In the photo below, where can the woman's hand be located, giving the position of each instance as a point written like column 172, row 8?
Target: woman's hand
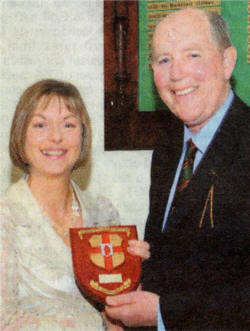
column 140, row 248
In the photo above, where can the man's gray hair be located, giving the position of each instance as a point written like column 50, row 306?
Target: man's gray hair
column 219, row 30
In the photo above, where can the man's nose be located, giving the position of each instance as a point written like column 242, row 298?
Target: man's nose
column 177, row 70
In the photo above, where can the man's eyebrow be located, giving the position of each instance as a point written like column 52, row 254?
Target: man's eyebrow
column 194, row 48
column 156, row 56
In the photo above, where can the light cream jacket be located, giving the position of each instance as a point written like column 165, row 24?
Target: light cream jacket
column 38, row 290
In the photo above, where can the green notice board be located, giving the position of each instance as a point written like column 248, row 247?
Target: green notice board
column 237, row 15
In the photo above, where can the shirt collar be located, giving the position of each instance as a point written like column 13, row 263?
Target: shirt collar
column 203, row 137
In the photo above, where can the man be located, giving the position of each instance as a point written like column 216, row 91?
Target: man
column 198, row 229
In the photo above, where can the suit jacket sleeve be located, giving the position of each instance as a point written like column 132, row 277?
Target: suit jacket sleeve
column 201, row 264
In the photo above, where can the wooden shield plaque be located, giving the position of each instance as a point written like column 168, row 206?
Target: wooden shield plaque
column 101, row 262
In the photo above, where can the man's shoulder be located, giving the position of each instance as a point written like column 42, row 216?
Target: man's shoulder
column 239, row 106
column 171, row 133
column 239, row 101
column 238, row 117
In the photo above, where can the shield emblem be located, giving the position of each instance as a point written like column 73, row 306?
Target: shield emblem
column 106, row 250
column 101, row 263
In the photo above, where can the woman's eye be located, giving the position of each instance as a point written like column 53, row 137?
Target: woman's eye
column 69, row 125
column 38, row 125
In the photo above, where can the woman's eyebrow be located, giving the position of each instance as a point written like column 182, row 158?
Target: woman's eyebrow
column 71, row 115
column 39, row 115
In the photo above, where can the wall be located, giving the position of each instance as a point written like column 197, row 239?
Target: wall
column 64, row 40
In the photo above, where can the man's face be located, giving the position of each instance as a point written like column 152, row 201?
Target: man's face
column 189, row 70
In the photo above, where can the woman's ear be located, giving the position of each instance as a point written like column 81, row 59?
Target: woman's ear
column 229, row 61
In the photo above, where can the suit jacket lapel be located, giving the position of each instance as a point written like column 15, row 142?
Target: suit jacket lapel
column 169, row 155
column 217, row 159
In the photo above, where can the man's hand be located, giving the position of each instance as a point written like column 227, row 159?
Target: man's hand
column 138, row 308
column 111, row 324
column 140, row 248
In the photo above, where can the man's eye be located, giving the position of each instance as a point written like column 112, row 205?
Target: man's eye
column 195, row 55
column 163, row 60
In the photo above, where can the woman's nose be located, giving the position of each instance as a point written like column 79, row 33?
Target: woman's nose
column 55, row 134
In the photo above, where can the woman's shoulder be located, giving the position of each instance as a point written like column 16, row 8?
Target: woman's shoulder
column 16, row 190
column 4, row 208
column 97, row 209
column 16, row 202
column 9, row 197
column 6, row 215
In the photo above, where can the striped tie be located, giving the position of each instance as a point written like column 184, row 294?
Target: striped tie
column 186, row 171
column 187, row 167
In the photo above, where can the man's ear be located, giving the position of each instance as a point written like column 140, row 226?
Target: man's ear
column 229, row 61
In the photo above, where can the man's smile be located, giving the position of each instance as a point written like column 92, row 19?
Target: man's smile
column 185, row 91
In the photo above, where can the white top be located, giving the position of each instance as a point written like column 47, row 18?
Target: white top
column 37, row 281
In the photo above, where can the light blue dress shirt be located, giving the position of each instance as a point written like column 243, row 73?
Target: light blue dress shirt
column 201, row 139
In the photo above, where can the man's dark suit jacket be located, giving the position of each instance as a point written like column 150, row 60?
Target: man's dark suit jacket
column 199, row 266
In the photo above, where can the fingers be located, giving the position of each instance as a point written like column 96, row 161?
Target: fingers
column 119, row 306
column 117, row 313
column 139, row 248
column 139, row 243
column 112, row 325
column 136, row 308
column 139, row 288
column 122, row 299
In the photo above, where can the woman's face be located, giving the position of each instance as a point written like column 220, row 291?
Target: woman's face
column 53, row 139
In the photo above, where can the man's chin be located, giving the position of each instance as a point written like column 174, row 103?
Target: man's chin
column 194, row 125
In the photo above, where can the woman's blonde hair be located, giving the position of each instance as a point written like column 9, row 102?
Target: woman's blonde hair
column 27, row 104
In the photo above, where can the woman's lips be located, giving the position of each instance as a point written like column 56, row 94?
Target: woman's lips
column 54, row 152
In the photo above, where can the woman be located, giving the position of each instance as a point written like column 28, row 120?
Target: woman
column 50, row 136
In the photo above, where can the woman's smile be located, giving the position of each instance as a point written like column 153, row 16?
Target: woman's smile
column 54, row 153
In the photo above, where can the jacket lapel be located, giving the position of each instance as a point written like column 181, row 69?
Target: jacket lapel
column 217, row 159
column 165, row 161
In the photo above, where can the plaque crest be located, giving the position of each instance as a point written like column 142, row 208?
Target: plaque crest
column 101, row 262
column 106, row 250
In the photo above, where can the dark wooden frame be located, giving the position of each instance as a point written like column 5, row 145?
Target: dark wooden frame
column 126, row 128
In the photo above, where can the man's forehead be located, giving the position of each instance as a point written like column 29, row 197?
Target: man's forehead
column 180, row 14
column 170, row 30
column 187, row 18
